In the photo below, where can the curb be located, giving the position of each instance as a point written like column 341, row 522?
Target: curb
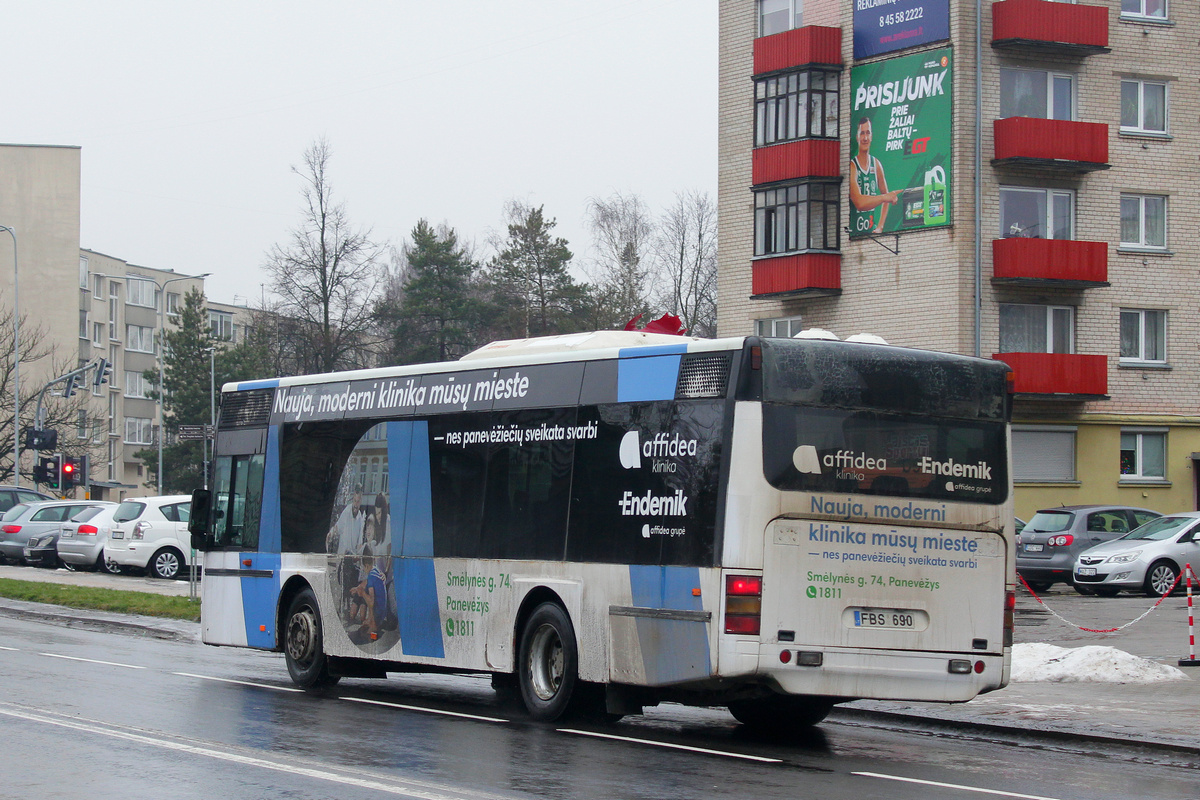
column 172, row 630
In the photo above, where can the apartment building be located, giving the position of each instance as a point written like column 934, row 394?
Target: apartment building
column 1031, row 199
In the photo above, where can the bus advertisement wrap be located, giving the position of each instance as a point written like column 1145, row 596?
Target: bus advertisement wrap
column 884, row 26
column 900, row 134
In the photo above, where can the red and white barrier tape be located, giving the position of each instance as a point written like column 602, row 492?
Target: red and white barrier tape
column 1140, row 617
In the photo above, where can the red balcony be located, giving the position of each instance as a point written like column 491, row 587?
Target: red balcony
column 1051, row 143
column 779, row 162
column 1071, row 376
column 802, row 273
column 1050, row 28
column 812, row 44
column 1050, row 262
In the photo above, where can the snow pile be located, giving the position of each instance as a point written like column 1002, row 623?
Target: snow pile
column 1091, row 664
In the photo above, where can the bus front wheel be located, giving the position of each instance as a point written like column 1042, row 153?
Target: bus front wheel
column 548, row 666
column 303, row 644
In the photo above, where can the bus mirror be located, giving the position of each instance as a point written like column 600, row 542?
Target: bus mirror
column 198, row 521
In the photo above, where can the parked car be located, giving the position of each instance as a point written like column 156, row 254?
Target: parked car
column 1148, row 559
column 1054, row 537
column 82, row 538
column 1018, row 526
column 151, row 533
column 29, row 531
column 11, row 495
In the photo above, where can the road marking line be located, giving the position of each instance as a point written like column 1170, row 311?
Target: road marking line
column 423, row 709
column 250, row 761
column 15, row 649
column 91, row 660
column 954, row 786
column 672, row 746
column 240, row 683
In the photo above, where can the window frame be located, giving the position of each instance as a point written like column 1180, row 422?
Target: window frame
column 218, row 322
column 1065, row 432
column 1140, row 129
column 1141, row 15
column 1141, row 219
column 794, row 10
column 1049, row 329
column 769, row 212
column 1140, row 473
column 136, row 290
column 84, row 274
column 769, row 327
column 1144, row 316
column 142, row 427
column 136, row 344
column 1050, row 77
column 790, row 96
column 1049, row 220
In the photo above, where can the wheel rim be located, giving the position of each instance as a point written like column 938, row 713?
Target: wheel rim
column 166, row 565
column 546, row 663
column 1162, row 578
column 301, row 642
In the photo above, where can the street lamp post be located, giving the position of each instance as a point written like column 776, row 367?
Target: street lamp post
column 16, row 364
column 158, row 356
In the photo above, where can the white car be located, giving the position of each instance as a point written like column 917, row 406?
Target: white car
column 1149, row 558
column 82, row 538
column 151, row 533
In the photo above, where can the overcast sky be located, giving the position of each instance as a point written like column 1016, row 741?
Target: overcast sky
column 191, row 115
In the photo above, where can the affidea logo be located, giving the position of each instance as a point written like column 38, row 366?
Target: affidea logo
column 661, row 445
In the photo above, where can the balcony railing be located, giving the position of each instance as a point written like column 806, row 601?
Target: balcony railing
column 1055, row 144
column 1050, row 262
column 1067, row 376
column 799, row 159
column 797, row 274
column 812, row 44
column 1048, row 27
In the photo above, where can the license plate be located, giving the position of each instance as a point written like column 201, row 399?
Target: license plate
column 1033, row 548
column 117, row 534
column 889, row 618
column 1086, row 571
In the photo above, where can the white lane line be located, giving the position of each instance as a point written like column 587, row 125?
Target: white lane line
column 236, row 758
column 91, row 660
column 422, row 709
column 668, row 745
column 961, row 787
column 239, row 683
column 14, row 649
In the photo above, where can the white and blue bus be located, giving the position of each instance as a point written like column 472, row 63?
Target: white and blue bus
column 617, row 519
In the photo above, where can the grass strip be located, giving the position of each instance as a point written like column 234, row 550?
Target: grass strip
column 115, row 600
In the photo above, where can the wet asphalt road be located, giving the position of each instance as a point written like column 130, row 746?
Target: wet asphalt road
column 174, row 719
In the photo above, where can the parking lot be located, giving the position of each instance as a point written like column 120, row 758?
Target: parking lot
column 128, row 583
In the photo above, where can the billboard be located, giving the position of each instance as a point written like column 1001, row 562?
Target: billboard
column 900, row 136
column 884, row 26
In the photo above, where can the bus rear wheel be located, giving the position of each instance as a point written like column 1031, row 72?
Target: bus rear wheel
column 780, row 714
column 303, row 643
column 548, row 662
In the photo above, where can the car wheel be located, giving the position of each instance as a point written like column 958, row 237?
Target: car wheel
column 1086, row 591
column 1038, row 586
column 548, row 664
column 105, row 563
column 781, row 714
column 303, row 643
column 1160, row 578
column 166, row 564
column 1107, row 591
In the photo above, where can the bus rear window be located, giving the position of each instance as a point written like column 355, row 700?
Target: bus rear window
column 868, row 452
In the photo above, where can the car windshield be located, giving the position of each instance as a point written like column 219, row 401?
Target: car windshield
column 14, row 513
column 1049, row 522
column 128, row 511
column 1159, row 529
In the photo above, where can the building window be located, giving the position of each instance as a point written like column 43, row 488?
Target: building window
column 1144, row 9
column 1143, row 107
column 112, row 415
column 140, row 292
column 1036, row 213
column 1143, row 336
column 136, row 384
column 139, row 338
column 793, row 219
column 83, row 324
column 98, row 287
column 777, row 16
column 83, row 272
column 780, row 327
column 1144, row 454
column 172, row 303
column 138, row 431
column 220, row 324
column 1144, row 221
column 81, row 424
column 1036, row 329
column 1043, row 454
column 1036, row 93
column 97, row 333
column 798, row 105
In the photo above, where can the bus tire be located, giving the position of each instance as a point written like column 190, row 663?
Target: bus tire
column 548, row 662
column 303, row 643
column 780, row 714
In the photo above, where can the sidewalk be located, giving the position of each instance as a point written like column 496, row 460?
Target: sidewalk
column 1164, row 714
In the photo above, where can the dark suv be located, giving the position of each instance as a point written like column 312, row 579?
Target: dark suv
column 11, row 495
column 1053, row 538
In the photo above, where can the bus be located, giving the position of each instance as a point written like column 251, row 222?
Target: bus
column 610, row 520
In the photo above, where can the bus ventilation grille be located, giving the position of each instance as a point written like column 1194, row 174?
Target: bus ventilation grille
column 704, row 375
column 246, row 409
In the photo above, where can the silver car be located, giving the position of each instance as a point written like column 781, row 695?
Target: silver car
column 1054, row 537
column 82, row 538
column 1149, row 559
column 35, row 526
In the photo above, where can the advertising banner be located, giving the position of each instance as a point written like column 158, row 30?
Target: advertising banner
column 884, row 26
column 900, row 136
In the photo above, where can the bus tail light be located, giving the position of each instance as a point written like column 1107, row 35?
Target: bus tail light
column 1010, row 609
column 743, row 604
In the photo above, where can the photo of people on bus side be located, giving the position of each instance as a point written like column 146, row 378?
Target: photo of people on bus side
column 359, row 544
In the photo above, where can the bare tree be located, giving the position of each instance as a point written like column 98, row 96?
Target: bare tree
column 325, row 278
column 686, row 250
column 623, row 232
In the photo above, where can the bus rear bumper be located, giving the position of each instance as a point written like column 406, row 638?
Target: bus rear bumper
column 933, row 677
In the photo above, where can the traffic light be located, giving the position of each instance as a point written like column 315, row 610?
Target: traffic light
column 41, row 439
column 72, row 472
column 69, row 386
column 103, row 372
column 48, row 470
